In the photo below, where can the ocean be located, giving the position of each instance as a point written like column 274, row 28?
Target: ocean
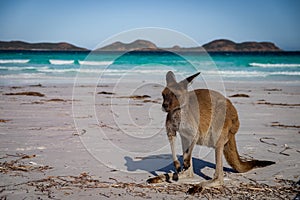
column 46, row 67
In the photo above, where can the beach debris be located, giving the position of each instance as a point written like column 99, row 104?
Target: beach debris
column 35, row 102
column 276, row 104
column 151, row 101
column 33, row 163
column 267, row 138
column 19, row 165
column 102, row 125
column 56, row 100
column 4, row 120
column 37, row 85
column 286, row 147
column 136, row 97
column 240, row 95
column 15, row 87
column 249, row 191
column 273, row 90
column 102, row 85
column 277, row 124
column 82, row 132
column 284, row 189
column 27, row 94
column 106, row 93
column 105, row 126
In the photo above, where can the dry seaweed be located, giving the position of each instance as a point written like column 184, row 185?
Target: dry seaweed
column 35, row 102
column 250, row 191
column 277, row 104
column 267, row 138
column 56, row 100
column 106, row 93
column 151, row 101
column 37, row 94
column 136, row 97
column 284, row 189
column 240, row 95
column 273, row 90
column 15, row 87
column 19, row 165
column 277, row 124
column 286, row 147
column 37, row 85
column 4, row 120
column 102, row 85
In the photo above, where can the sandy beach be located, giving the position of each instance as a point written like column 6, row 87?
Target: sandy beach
column 100, row 142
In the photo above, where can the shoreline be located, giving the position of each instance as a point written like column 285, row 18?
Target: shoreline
column 86, row 80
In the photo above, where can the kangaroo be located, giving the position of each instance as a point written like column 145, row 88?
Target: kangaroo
column 202, row 117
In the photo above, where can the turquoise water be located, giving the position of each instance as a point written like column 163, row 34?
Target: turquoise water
column 47, row 67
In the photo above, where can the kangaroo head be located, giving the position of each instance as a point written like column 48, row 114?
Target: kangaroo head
column 175, row 94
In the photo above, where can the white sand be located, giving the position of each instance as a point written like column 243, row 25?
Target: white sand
column 122, row 139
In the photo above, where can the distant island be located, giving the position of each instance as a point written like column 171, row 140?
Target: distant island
column 19, row 45
column 221, row 45
column 142, row 45
column 214, row 46
column 230, row 46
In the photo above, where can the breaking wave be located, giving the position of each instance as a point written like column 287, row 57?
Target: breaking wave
column 61, row 62
column 104, row 71
column 269, row 65
column 94, row 63
column 17, row 68
column 240, row 74
column 6, row 61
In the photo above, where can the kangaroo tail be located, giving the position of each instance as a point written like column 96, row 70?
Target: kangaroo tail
column 163, row 178
column 234, row 160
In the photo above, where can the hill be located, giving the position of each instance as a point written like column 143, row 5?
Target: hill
column 19, row 45
column 230, row 46
column 138, row 45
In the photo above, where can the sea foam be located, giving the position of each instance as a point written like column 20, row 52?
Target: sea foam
column 95, row 63
column 5, row 61
column 18, row 68
column 247, row 74
column 225, row 73
column 269, row 65
column 49, row 70
column 61, row 62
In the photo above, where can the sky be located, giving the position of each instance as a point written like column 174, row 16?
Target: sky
column 87, row 23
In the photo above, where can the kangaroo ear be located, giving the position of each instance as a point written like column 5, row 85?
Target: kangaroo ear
column 170, row 78
column 188, row 80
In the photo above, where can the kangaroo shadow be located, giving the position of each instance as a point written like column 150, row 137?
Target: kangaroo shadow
column 164, row 163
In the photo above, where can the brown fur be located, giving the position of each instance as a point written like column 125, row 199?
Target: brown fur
column 203, row 117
